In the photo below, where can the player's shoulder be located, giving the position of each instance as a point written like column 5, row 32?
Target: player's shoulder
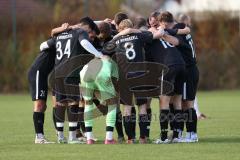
column 79, row 31
column 51, row 40
column 146, row 33
column 179, row 26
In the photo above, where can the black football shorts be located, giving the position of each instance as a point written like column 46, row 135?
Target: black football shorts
column 38, row 82
column 190, row 84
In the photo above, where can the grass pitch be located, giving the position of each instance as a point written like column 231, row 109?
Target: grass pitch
column 219, row 135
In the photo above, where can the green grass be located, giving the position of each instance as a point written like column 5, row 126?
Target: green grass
column 219, row 135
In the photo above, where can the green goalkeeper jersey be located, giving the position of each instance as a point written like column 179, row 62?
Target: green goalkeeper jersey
column 97, row 76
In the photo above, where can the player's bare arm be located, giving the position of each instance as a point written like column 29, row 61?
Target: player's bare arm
column 185, row 30
column 127, row 31
column 57, row 30
column 171, row 39
column 157, row 33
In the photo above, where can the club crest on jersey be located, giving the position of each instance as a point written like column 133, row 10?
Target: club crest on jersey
column 42, row 93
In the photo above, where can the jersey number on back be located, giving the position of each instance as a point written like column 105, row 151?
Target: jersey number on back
column 67, row 49
column 130, row 52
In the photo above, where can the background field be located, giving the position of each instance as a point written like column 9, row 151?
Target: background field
column 219, row 135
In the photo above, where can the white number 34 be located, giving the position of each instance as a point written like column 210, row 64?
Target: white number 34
column 67, row 49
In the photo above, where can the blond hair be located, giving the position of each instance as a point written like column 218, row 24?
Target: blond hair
column 126, row 23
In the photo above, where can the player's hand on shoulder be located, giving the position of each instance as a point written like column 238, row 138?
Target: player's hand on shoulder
column 161, row 31
column 108, row 20
column 153, row 30
column 65, row 25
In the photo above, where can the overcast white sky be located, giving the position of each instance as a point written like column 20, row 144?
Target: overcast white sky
column 201, row 5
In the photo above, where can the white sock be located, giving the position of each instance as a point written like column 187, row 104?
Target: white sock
column 89, row 135
column 72, row 135
column 196, row 107
column 39, row 135
column 60, row 135
column 109, row 135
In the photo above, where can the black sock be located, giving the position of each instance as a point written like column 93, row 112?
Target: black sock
column 78, row 131
column 176, row 122
column 38, row 120
column 128, row 126
column 78, row 122
column 102, row 108
column 60, row 116
column 88, row 129
column 164, row 119
column 109, row 128
column 191, row 121
column 118, row 124
column 195, row 120
column 182, row 122
column 171, row 109
column 143, row 123
column 73, row 116
column 96, row 102
column 149, row 117
column 78, row 126
column 81, row 124
column 54, row 117
column 193, row 124
column 133, row 121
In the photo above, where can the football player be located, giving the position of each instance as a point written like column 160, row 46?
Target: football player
column 70, row 45
column 38, row 81
column 186, row 47
column 98, row 78
column 163, row 51
column 186, row 19
column 133, row 44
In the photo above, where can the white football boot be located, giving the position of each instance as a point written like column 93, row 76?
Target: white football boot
column 191, row 137
column 42, row 140
column 159, row 141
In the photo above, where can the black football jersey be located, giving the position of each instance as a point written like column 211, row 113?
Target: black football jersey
column 163, row 52
column 133, row 45
column 68, row 45
column 186, row 46
column 45, row 60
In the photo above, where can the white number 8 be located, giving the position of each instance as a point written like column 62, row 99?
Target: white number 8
column 129, row 48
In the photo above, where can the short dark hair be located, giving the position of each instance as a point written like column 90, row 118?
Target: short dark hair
column 88, row 21
column 140, row 22
column 119, row 17
column 154, row 14
column 166, row 17
column 105, row 28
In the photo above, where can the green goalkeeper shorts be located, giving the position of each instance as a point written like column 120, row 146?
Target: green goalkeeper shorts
column 96, row 76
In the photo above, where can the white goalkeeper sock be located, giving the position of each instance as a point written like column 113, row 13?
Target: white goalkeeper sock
column 109, row 135
column 89, row 135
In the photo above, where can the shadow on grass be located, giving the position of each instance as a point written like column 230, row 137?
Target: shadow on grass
column 220, row 140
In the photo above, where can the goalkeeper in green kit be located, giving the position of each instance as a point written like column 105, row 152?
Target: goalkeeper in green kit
column 98, row 79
